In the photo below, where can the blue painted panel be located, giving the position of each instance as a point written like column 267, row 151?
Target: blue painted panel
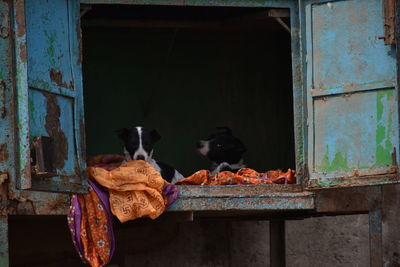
column 48, row 45
column 346, row 48
column 357, row 132
column 49, row 90
column 350, row 76
column 59, row 126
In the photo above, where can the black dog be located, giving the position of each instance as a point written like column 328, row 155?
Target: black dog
column 224, row 150
column 138, row 145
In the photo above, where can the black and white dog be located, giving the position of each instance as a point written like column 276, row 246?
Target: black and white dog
column 224, row 150
column 138, row 145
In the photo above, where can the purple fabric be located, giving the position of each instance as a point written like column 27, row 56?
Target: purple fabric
column 74, row 224
column 104, row 198
column 170, row 193
column 75, row 216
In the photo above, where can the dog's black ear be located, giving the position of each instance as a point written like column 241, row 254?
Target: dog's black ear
column 123, row 134
column 155, row 135
column 224, row 130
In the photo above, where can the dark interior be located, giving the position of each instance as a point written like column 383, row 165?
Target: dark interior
column 185, row 71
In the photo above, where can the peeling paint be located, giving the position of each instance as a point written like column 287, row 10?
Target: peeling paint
column 343, row 182
column 339, row 162
column 56, row 76
column 22, row 52
column 241, row 197
column 3, row 178
column 384, row 145
column 3, row 109
column 4, row 25
column 53, row 128
column 3, row 152
column 389, row 8
column 20, row 18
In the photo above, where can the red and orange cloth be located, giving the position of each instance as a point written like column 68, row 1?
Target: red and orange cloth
column 243, row 176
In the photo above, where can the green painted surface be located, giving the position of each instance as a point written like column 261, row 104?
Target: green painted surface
column 339, row 162
column 384, row 144
column 185, row 86
column 51, row 37
column 328, row 183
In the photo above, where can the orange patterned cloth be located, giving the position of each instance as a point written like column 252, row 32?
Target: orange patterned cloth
column 135, row 189
column 94, row 230
column 243, row 176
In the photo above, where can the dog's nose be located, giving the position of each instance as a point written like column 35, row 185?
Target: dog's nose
column 139, row 157
column 199, row 144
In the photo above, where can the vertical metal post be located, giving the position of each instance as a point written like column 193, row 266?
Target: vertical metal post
column 375, row 238
column 4, row 241
column 277, row 243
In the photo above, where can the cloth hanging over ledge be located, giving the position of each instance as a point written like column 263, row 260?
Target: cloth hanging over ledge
column 135, row 187
column 90, row 225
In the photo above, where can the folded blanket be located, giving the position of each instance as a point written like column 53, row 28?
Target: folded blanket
column 243, row 176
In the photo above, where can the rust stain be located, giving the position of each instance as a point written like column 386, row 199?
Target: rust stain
column 22, row 52
column 20, row 18
column 357, row 181
column 56, row 76
column 3, row 110
column 389, row 9
column 394, row 157
column 3, row 177
column 53, row 128
column 4, row 26
column 43, row 204
column 3, row 152
column 54, row 204
column 27, row 173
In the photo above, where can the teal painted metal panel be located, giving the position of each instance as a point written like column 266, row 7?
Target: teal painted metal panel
column 49, row 86
column 236, row 198
column 346, row 50
column 350, row 78
column 6, row 125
